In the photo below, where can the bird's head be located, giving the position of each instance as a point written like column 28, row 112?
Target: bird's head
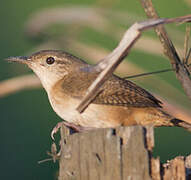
column 50, row 65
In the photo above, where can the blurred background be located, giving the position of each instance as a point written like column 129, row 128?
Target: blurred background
column 89, row 29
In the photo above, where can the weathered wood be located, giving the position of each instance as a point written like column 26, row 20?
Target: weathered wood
column 188, row 167
column 105, row 154
column 175, row 169
column 135, row 159
column 155, row 169
column 124, row 153
column 149, row 134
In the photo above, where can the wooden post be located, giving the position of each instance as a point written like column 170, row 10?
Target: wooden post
column 123, row 153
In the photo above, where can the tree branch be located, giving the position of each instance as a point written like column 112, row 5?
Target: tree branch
column 107, row 66
column 181, row 71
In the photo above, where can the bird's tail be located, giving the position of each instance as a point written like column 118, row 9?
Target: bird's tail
column 168, row 120
column 181, row 123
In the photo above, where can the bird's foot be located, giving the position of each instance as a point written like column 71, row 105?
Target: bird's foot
column 75, row 127
column 55, row 129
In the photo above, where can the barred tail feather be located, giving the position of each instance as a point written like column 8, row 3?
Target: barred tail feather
column 181, row 123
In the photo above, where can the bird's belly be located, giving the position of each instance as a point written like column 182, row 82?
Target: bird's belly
column 105, row 116
column 95, row 115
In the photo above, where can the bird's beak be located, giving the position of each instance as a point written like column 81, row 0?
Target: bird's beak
column 19, row 59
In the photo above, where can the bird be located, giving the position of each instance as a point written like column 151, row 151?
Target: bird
column 119, row 102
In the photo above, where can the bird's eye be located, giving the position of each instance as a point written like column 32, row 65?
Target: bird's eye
column 50, row 60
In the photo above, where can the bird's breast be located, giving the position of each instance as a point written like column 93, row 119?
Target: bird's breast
column 94, row 116
column 104, row 116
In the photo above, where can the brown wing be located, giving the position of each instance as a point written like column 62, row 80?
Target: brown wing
column 120, row 92
column 115, row 91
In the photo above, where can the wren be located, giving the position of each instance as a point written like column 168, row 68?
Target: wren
column 119, row 102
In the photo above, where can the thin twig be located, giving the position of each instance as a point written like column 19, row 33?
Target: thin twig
column 45, row 160
column 188, row 57
column 107, row 66
column 182, row 73
column 54, row 154
column 149, row 73
column 186, row 44
column 187, row 50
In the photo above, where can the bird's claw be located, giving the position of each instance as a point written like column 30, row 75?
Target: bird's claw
column 75, row 127
column 55, row 130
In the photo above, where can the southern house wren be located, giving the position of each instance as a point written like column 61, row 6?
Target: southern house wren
column 119, row 102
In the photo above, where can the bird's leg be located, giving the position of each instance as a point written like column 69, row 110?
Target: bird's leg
column 55, row 129
column 75, row 127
